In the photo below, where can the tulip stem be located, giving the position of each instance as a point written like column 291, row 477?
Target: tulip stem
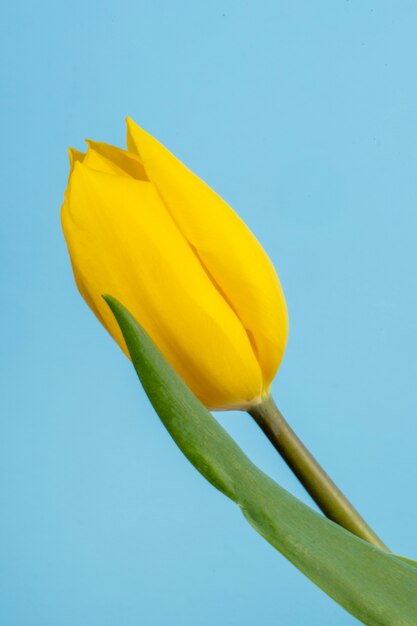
column 312, row 476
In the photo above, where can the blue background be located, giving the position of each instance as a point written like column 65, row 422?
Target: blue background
column 303, row 116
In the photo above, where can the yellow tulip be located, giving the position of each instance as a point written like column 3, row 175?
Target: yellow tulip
column 143, row 228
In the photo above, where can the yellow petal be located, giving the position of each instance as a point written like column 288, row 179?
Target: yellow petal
column 123, row 241
column 106, row 158
column 235, row 261
column 74, row 156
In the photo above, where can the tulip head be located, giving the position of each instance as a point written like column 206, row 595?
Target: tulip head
column 141, row 227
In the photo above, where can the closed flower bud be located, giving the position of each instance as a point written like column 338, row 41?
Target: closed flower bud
column 141, row 227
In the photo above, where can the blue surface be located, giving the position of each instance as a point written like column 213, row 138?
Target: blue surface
column 303, row 116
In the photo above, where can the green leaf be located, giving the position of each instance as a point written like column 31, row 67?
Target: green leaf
column 377, row 588
column 412, row 562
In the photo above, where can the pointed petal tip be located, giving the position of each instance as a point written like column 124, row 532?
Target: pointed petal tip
column 133, row 127
column 132, row 130
column 75, row 155
column 72, row 153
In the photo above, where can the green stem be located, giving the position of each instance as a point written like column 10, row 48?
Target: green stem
column 311, row 475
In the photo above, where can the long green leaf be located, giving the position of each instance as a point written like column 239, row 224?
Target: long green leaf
column 377, row 588
column 406, row 559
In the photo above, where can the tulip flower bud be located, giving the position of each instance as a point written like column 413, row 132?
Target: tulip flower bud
column 141, row 227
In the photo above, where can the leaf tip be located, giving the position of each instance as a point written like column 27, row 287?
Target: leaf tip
column 110, row 300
